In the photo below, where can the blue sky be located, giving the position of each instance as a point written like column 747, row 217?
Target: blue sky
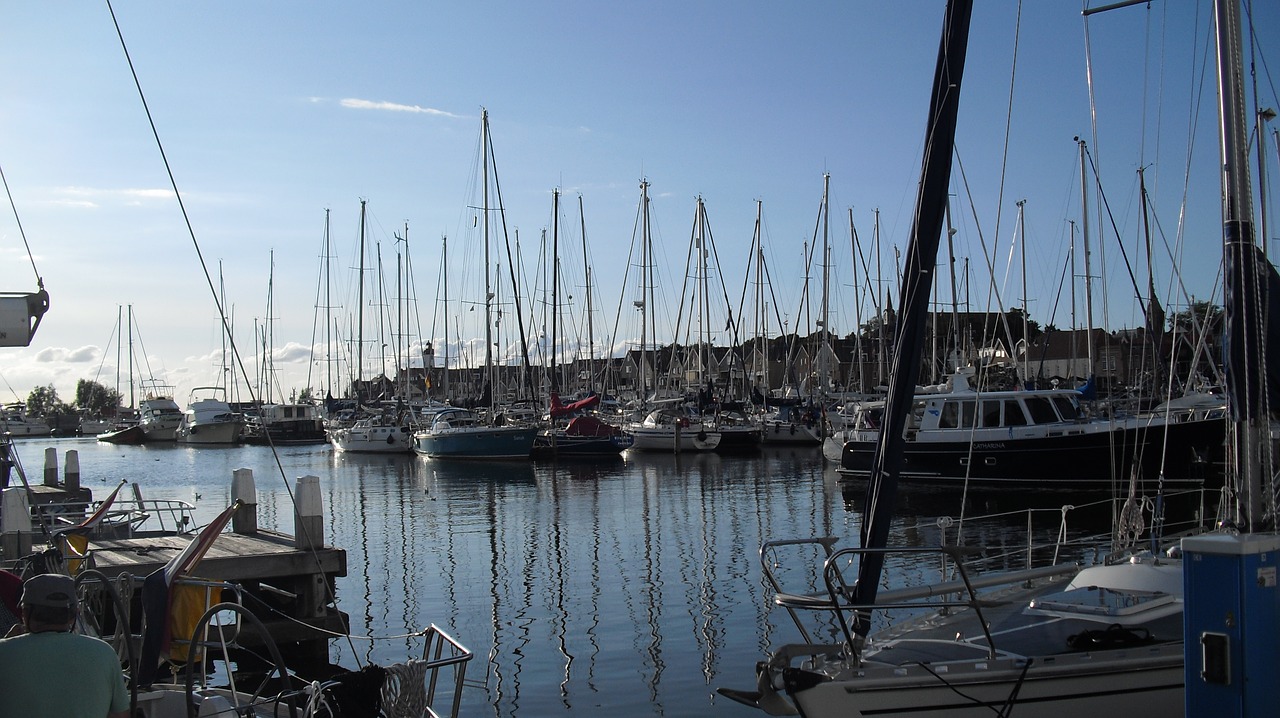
column 271, row 113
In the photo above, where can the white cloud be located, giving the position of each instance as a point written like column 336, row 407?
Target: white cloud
column 357, row 104
column 50, row 355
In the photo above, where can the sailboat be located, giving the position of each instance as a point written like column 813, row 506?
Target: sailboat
column 1105, row 640
column 575, row 428
column 380, row 431
column 460, row 433
column 798, row 419
column 661, row 424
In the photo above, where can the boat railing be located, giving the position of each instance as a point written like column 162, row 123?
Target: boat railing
column 127, row 517
column 962, row 566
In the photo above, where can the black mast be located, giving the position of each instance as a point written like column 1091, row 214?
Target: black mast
column 913, row 304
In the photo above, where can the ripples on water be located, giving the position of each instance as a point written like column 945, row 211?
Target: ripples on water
column 631, row 587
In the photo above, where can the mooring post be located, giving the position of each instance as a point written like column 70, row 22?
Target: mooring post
column 71, row 475
column 15, row 516
column 308, row 518
column 51, row 466
column 245, row 490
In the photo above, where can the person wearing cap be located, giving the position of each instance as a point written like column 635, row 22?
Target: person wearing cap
column 50, row 671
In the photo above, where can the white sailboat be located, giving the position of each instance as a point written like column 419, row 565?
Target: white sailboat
column 1106, row 640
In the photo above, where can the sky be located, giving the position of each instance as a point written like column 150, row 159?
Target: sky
column 274, row 116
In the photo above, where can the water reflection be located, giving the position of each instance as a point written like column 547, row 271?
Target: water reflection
column 630, row 587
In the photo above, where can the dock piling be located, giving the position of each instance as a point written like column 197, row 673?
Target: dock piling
column 15, row 518
column 51, row 466
column 71, row 475
column 244, row 489
column 308, row 517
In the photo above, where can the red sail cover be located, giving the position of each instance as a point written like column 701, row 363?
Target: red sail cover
column 558, row 409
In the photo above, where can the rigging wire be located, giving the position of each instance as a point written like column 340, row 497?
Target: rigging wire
column 21, row 231
column 209, row 280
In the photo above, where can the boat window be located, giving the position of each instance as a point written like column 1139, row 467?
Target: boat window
column 1041, row 410
column 1067, row 408
column 990, row 413
column 1013, row 415
column 957, row 414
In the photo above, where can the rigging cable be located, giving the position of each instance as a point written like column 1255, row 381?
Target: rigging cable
column 221, row 314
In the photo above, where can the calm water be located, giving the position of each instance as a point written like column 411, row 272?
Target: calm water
column 631, row 587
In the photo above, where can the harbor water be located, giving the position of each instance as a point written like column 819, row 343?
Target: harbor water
column 627, row 587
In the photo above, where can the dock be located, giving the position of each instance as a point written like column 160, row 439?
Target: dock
column 287, row 581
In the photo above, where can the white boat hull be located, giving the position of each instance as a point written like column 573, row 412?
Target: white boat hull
column 667, row 439
column 1123, row 683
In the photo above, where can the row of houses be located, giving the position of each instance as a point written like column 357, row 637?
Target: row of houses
column 802, row 365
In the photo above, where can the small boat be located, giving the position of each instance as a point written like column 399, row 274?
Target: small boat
column 15, row 422
column 792, row 425
column 209, row 420
column 285, row 425
column 585, row 434
column 381, row 433
column 463, row 434
column 124, row 435
column 158, row 414
column 672, row 429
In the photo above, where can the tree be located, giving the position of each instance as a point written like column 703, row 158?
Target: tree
column 43, row 400
column 95, row 398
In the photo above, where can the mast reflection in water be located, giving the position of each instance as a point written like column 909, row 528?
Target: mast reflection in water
column 626, row 588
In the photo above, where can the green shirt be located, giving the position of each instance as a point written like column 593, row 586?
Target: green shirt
column 60, row 675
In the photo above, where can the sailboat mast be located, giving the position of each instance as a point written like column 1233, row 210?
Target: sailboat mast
column 359, row 373
column 1088, row 272
column 1245, row 323
column 645, row 282
column 555, row 281
column 824, row 367
column 913, row 305
column 444, row 271
column 1026, row 337
column 328, row 305
column 591, row 340
column 484, row 211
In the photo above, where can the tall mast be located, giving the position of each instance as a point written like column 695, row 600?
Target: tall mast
column 857, row 303
column 1245, row 270
column 931, row 200
column 555, row 280
column 591, row 341
column 1026, row 337
column 360, row 305
column 646, row 279
column 488, row 293
column 1088, row 272
column 824, row 367
column 444, row 271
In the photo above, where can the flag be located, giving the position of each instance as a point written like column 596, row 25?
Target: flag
column 157, row 597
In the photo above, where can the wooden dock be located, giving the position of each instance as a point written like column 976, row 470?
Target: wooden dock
column 287, row 582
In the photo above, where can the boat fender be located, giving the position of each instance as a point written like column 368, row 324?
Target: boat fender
column 391, row 439
column 702, row 436
column 192, row 430
column 684, row 422
column 793, row 429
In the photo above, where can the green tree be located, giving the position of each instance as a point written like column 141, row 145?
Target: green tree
column 42, row 401
column 95, row 398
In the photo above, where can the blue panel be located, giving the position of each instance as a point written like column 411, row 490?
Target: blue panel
column 1231, row 625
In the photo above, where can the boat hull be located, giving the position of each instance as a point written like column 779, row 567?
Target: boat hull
column 372, row 440
column 129, row 435
column 220, row 433
column 1091, row 459
column 1068, row 686
column 671, row 440
column 489, row 442
column 569, row 445
column 790, row 434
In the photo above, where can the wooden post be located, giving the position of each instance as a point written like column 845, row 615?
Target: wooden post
column 51, row 466
column 308, row 518
column 15, row 516
column 72, row 473
column 243, row 488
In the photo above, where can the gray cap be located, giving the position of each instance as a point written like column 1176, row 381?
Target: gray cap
column 49, row 589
